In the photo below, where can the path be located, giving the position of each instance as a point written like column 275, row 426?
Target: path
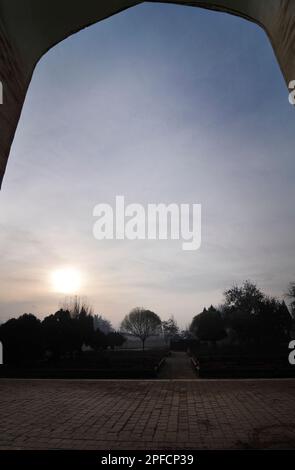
column 151, row 414
column 177, row 366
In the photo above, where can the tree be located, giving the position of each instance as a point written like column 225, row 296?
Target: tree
column 66, row 331
column 22, row 340
column 170, row 329
column 102, row 324
column 209, row 326
column 246, row 298
column 82, row 314
column 255, row 317
column 115, row 339
column 241, row 309
column 77, row 305
column 141, row 323
column 61, row 334
column 186, row 334
column 98, row 340
column 275, row 322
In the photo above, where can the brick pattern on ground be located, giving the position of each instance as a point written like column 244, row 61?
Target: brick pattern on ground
column 158, row 414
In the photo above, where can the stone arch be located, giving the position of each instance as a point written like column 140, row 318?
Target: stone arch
column 29, row 29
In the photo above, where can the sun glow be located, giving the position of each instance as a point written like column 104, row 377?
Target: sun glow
column 66, row 281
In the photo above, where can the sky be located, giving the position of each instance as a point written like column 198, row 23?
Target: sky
column 161, row 104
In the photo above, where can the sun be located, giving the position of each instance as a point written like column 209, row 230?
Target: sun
column 66, row 280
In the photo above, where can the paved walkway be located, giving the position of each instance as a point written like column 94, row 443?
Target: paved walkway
column 177, row 366
column 159, row 414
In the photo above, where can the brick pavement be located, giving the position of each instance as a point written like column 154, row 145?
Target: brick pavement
column 166, row 414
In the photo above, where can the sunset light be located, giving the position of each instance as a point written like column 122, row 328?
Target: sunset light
column 66, row 280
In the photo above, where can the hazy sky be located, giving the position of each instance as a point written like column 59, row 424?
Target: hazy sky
column 159, row 103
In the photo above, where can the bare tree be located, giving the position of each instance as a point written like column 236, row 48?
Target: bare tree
column 141, row 323
column 76, row 306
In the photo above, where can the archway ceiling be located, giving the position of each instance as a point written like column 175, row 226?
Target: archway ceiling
column 28, row 29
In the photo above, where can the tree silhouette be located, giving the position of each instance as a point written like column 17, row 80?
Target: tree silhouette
column 141, row 323
column 22, row 340
column 102, row 324
column 61, row 333
column 114, row 339
column 255, row 317
column 77, row 305
column 208, row 326
column 246, row 298
column 170, row 329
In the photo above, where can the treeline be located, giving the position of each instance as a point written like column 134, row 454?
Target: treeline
column 27, row 339
column 246, row 317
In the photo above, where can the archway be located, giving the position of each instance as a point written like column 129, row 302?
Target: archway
column 29, row 29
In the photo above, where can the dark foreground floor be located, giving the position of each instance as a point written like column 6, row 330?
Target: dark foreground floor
column 200, row 414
